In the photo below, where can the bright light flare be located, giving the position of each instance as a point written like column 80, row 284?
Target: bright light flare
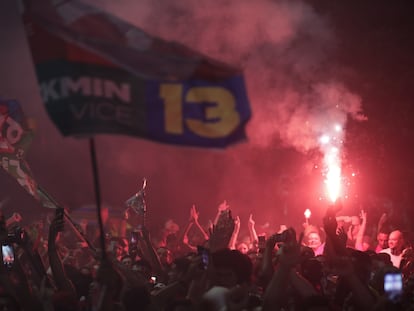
column 333, row 180
column 325, row 139
column 307, row 213
column 332, row 168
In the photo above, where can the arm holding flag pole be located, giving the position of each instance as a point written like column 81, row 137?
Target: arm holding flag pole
column 72, row 224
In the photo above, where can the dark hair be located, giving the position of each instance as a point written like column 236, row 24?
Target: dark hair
column 384, row 230
column 182, row 263
column 135, row 298
column 144, row 263
column 232, row 259
column 362, row 264
column 10, row 300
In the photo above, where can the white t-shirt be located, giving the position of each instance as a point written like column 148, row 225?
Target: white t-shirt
column 395, row 259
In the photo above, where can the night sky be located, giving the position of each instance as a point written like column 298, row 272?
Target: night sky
column 362, row 48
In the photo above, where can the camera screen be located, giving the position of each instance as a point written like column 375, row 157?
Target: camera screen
column 393, row 282
column 8, row 254
column 204, row 258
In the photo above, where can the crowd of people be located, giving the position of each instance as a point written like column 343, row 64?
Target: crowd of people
column 343, row 264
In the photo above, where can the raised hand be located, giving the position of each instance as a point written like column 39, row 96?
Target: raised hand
column 290, row 255
column 237, row 222
column 223, row 206
column 194, row 214
column 251, row 222
column 221, row 234
column 363, row 215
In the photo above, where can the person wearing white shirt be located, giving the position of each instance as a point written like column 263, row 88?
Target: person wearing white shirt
column 396, row 247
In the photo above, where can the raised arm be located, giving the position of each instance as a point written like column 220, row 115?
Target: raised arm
column 276, row 291
column 194, row 216
column 221, row 208
column 235, row 235
column 252, row 230
column 222, row 232
column 360, row 235
column 266, row 271
column 150, row 253
column 59, row 275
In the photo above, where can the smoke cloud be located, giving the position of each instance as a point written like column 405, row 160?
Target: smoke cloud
column 283, row 47
column 286, row 51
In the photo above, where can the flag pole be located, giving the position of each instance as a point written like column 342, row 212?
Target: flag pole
column 75, row 227
column 97, row 194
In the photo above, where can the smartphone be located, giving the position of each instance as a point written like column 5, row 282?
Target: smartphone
column 393, row 285
column 153, row 279
column 261, row 241
column 134, row 237
column 203, row 252
column 7, row 255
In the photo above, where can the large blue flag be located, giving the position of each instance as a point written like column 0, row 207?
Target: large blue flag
column 99, row 74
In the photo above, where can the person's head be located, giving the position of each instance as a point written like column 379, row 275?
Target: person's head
column 118, row 250
column 165, row 255
column 178, row 268
column 396, row 241
column 362, row 264
column 382, row 239
column 380, row 260
column 314, row 240
column 135, row 297
column 143, row 267
column 311, row 269
column 242, row 248
column 231, row 268
column 171, row 227
column 127, row 261
column 172, row 241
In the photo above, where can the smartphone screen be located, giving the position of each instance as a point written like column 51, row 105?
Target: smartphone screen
column 134, row 237
column 393, row 284
column 203, row 252
column 8, row 255
column 204, row 258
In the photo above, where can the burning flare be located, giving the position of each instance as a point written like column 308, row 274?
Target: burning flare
column 330, row 145
column 333, row 176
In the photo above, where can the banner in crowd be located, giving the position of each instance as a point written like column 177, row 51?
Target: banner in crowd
column 99, row 74
column 16, row 134
column 15, row 138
